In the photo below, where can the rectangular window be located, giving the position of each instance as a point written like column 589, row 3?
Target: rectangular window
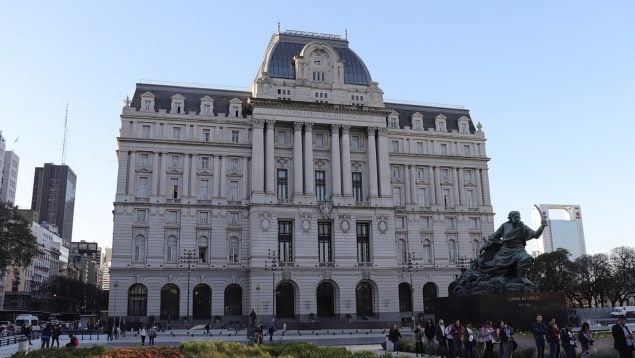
column 420, row 148
column 176, row 133
column 233, row 190
column 324, row 242
column 203, row 217
column 203, row 189
column 234, row 165
column 176, row 161
column 320, row 185
column 466, row 150
column 141, row 215
column 475, row 223
column 357, row 186
column 426, row 222
column 235, row 136
column 285, row 241
column 401, row 222
column 142, row 187
column 234, row 218
column 363, row 243
column 419, row 125
column 234, row 252
column 145, row 131
column 174, row 187
column 471, row 198
column 145, row 160
column 393, row 123
column 469, row 175
column 423, row 197
column 396, row 171
column 394, row 146
column 206, row 135
column 451, row 223
column 447, row 199
column 421, row 173
column 282, row 137
column 147, row 105
column 204, row 162
column 355, row 144
column 319, row 140
column 173, row 216
column 396, row 194
column 207, row 109
column 444, row 149
column 282, row 191
column 171, row 249
column 445, row 174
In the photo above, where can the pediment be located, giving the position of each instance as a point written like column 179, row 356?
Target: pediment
column 235, row 101
column 147, row 95
column 417, row 115
column 178, row 96
column 207, row 99
column 440, row 116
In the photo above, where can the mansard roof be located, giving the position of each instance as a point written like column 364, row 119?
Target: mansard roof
column 429, row 114
column 286, row 45
column 193, row 95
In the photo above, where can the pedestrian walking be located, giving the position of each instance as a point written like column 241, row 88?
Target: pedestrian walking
column 553, row 338
column 457, row 337
column 45, row 336
column 270, row 330
column 418, row 340
column 55, row 335
column 468, row 340
column 622, row 338
column 506, row 339
column 567, row 338
column 539, row 329
column 143, row 333
column 207, row 329
column 442, row 339
column 450, row 340
column 430, row 332
column 586, row 340
column 487, row 339
column 27, row 331
column 152, row 334
column 393, row 336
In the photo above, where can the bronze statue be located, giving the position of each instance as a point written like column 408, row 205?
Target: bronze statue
column 503, row 262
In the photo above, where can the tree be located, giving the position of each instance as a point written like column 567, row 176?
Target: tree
column 71, row 295
column 17, row 243
column 553, row 272
column 621, row 287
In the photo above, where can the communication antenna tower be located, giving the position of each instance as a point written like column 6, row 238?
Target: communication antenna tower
column 65, row 130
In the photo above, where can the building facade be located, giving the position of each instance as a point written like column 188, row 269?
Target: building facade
column 86, row 258
column 54, row 197
column 307, row 197
column 9, row 180
column 563, row 231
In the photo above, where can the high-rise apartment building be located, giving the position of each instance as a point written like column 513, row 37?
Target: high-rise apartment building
column 307, row 197
column 564, row 229
column 54, row 197
column 9, row 180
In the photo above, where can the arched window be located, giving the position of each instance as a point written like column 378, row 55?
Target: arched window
column 171, row 249
column 233, row 300
column 137, row 300
column 202, row 249
column 405, row 297
column 139, row 253
column 429, row 297
column 169, row 302
column 402, row 258
column 364, row 298
column 427, row 251
column 452, row 250
column 234, row 250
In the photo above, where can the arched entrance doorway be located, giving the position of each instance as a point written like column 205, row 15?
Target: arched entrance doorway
column 364, row 299
column 405, row 297
column 233, row 300
column 169, row 302
column 325, row 300
column 285, row 300
column 429, row 297
column 202, row 302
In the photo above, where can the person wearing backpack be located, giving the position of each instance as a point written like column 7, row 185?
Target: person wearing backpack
column 152, row 334
column 568, row 340
column 393, row 336
column 418, row 340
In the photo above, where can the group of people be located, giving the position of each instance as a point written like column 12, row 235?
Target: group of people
column 565, row 338
column 459, row 340
column 51, row 333
column 150, row 332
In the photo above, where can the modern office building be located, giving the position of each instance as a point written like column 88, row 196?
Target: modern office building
column 9, row 179
column 103, row 280
column 54, row 197
column 565, row 229
column 86, row 258
column 306, row 197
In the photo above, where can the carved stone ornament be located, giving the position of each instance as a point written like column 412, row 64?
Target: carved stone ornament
column 382, row 224
column 305, row 222
column 345, row 223
column 325, row 208
column 258, row 123
column 265, row 221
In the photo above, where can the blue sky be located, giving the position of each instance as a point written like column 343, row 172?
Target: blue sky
column 553, row 84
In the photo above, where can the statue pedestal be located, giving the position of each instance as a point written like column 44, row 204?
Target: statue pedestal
column 519, row 309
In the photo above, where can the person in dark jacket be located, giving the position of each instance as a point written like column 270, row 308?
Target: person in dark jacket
column 393, row 336
column 567, row 337
column 45, row 336
column 418, row 340
column 539, row 329
column 430, row 332
column 56, row 332
column 622, row 338
column 553, row 337
column 442, row 339
column 586, row 339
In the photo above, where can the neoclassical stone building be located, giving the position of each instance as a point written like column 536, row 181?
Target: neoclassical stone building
column 361, row 207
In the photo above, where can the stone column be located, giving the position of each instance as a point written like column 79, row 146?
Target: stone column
column 308, row 159
column 162, row 176
column 216, row 177
column 437, row 180
column 257, row 153
column 270, row 160
column 335, row 160
column 413, row 184
column 346, row 161
column 384, row 165
column 223, row 176
column 186, row 175
column 462, row 200
column 372, row 162
column 155, row 174
column 297, row 158
column 408, row 189
column 193, row 176
column 132, row 189
column 455, row 184
column 433, row 189
column 244, row 163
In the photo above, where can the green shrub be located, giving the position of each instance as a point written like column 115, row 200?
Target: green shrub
column 214, row 349
column 94, row 351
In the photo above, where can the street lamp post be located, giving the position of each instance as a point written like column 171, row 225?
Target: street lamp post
column 272, row 264
column 257, row 301
column 409, row 266
column 114, row 310
column 189, row 257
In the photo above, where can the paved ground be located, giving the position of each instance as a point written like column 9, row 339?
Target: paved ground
column 352, row 340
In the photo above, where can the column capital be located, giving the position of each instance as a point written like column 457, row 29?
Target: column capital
column 257, row 123
column 335, row 127
column 308, row 127
column 346, row 129
column 382, row 131
column 297, row 126
column 371, row 131
column 270, row 122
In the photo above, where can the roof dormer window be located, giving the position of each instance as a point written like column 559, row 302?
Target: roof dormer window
column 207, row 106
column 147, row 102
column 464, row 125
column 440, row 123
column 417, row 121
column 235, row 108
column 178, row 104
